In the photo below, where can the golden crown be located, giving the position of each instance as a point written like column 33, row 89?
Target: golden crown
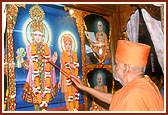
column 37, row 15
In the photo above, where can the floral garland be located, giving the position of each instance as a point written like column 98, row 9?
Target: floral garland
column 36, row 76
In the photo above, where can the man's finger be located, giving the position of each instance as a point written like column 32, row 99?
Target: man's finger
column 74, row 78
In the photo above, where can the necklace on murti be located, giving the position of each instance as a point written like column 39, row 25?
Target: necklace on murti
column 41, row 71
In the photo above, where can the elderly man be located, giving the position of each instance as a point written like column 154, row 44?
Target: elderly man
column 96, row 104
column 138, row 93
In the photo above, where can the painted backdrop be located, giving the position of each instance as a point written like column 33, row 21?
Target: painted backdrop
column 58, row 22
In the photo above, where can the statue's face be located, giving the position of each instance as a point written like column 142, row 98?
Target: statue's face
column 68, row 46
column 38, row 37
column 99, row 79
column 100, row 26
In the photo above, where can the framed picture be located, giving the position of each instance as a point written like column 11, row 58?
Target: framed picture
column 101, row 80
column 100, row 77
column 55, row 23
column 31, row 64
column 97, row 42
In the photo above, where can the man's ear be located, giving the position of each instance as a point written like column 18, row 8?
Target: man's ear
column 126, row 68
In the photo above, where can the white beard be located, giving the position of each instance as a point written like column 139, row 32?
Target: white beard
column 99, row 83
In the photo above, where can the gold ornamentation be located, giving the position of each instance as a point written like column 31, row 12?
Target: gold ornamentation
column 36, row 13
column 11, row 18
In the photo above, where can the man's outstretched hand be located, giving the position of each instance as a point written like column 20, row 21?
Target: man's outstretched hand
column 77, row 82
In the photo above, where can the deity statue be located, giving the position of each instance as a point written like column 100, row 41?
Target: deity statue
column 40, row 87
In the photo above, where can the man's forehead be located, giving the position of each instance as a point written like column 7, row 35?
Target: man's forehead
column 99, row 75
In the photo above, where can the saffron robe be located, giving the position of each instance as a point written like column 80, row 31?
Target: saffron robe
column 64, row 58
column 70, row 92
column 100, row 106
column 138, row 95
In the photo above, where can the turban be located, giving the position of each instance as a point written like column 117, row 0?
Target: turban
column 132, row 53
column 67, row 38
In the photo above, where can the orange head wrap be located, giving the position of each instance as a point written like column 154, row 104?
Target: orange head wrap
column 67, row 38
column 132, row 53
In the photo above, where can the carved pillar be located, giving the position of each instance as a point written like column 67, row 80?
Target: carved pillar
column 11, row 16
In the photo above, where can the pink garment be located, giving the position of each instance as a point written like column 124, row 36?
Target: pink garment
column 29, row 94
column 30, row 72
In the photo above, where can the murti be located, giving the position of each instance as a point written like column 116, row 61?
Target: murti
column 41, row 67
column 73, row 94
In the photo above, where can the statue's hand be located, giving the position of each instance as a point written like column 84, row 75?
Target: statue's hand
column 59, row 84
column 54, row 57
